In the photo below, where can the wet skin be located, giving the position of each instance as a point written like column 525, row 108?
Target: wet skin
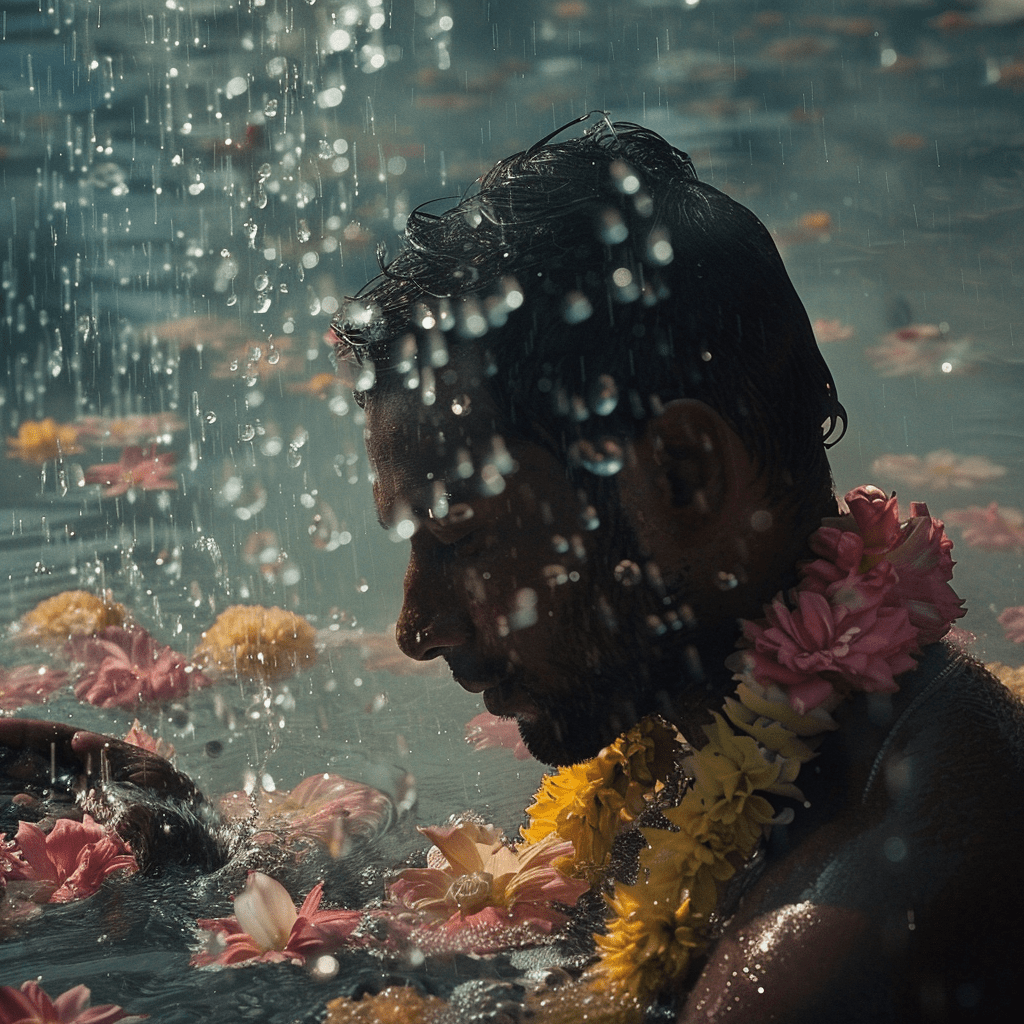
column 897, row 895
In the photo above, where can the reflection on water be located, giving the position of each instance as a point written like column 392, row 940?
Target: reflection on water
column 195, row 188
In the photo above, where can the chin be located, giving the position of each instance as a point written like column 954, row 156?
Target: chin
column 553, row 741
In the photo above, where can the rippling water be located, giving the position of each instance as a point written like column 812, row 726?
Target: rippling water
column 194, row 188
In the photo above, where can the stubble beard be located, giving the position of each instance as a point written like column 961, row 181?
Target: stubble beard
column 614, row 670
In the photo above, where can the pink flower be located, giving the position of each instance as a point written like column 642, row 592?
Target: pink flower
column 849, row 637
column 138, row 736
column 137, row 468
column 31, row 1005
column 1012, row 621
column 69, row 863
column 329, row 809
column 991, row 529
column 481, row 895
column 938, row 470
column 28, row 684
column 123, row 667
column 917, row 549
column 487, row 730
column 267, row 928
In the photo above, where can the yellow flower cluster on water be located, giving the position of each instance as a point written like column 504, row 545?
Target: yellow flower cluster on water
column 39, row 441
column 70, row 613
column 590, row 802
column 257, row 642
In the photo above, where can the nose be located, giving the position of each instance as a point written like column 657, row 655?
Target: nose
column 434, row 617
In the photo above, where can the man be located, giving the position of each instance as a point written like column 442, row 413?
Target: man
column 595, row 405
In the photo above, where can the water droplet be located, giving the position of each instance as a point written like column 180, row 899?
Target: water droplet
column 271, row 111
column 603, row 458
column 461, row 405
column 294, row 457
column 246, row 432
column 604, row 395
column 627, row 573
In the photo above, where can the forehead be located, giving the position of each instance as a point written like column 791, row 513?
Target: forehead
column 456, row 443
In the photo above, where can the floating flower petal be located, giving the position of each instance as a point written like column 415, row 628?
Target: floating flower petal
column 31, row 1005
column 480, row 895
column 1012, row 621
column 28, row 684
column 39, row 441
column 991, row 529
column 138, row 468
column 267, row 928
column 263, row 643
column 124, row 667
column 68, row 863
column 938, row 470
column 70, row 614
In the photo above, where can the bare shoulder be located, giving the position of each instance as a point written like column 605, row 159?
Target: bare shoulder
column 900, row 895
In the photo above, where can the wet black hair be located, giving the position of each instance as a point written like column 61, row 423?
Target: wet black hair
column 600, row 279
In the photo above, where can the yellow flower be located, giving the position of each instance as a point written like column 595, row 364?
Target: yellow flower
column 728, row 770
column 589, row 803
column 261, row 643
column 645, row 945
column 41, row 440
column 398, row 1004
column 70, row 613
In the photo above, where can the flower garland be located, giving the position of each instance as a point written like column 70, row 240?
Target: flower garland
column 877, row 593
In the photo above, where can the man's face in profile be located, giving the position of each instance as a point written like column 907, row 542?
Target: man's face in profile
column 534, row 597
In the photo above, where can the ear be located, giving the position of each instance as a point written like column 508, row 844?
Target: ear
column 688, row 473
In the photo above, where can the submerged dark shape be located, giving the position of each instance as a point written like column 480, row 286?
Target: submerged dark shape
column 52, row 770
